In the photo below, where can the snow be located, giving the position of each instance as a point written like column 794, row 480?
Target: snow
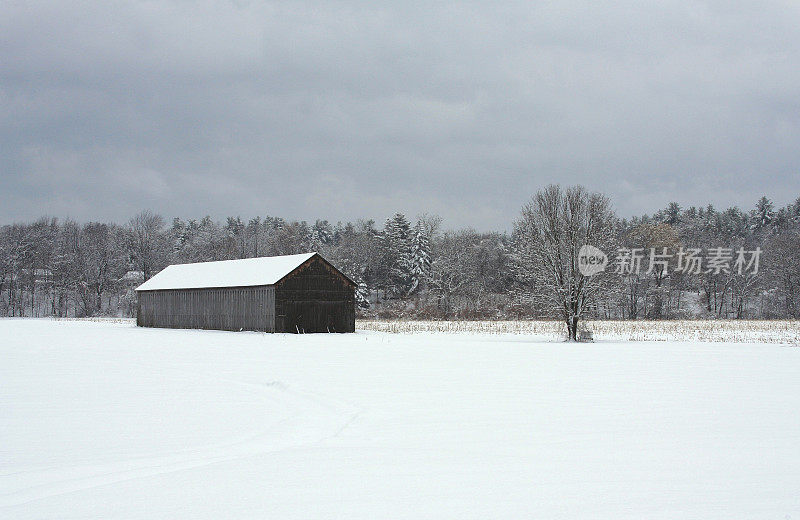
column 106, row 420
column 226, row 273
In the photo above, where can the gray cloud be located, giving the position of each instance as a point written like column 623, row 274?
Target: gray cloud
column 341, row 110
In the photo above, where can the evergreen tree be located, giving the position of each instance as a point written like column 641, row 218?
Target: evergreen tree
column 672, row 214
column 707, row 215
column 420, row 257
column 795, row 211
column 315, row 242
column 398, row 242
column 252, row 236
column 177, row 236
column 762, row 216
column 362, row 295
column 324, row 232
column 235, row 239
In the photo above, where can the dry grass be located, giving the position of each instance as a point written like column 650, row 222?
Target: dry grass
column 740, row 331
column 99, row 319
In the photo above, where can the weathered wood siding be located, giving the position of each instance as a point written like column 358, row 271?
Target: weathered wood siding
column 315, row 298
column 227, row 308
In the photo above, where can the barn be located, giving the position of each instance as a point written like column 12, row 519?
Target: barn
column 292, row 293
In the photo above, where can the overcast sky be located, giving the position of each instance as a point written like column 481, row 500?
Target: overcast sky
column 342, row 110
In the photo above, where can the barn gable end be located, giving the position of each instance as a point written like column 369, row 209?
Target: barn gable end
column 315, row 297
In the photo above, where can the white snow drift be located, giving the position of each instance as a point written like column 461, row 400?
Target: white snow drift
column 101, row 420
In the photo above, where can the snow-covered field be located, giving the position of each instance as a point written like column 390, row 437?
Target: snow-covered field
column 105, row 420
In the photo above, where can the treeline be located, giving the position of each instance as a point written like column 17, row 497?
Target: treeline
column 408, row 269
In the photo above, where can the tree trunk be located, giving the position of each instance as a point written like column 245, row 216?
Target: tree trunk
column 572, row 328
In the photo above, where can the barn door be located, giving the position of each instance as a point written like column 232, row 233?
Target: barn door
column 301, row 316
column 306, row 317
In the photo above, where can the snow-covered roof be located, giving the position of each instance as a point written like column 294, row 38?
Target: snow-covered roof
column 266, row 270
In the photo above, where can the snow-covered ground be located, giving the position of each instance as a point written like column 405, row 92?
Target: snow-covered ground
column 106, row 420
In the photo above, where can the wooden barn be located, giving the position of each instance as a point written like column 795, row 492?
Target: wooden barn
column 293, row 293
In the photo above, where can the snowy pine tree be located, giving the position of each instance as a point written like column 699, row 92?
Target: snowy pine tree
column 763, row 215
column 324, row 232
column 672, row 214
column 420, row 257
column 400, row 240
column 362, row 295
column 178, row 236
column 315, row 240
column 396, row 263
column 795, row 211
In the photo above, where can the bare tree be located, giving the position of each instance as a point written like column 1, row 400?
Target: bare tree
column 451, row 272
column 431, row 225
column 652, row 239
column 550, row 233
column 16, row 244
column 148, row 243
column 783, row 271
column 102, row 263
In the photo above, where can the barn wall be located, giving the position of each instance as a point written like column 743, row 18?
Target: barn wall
column 315, row 298
column 228, row 308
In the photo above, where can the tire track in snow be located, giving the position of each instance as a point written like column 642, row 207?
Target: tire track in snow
column 321, row 419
